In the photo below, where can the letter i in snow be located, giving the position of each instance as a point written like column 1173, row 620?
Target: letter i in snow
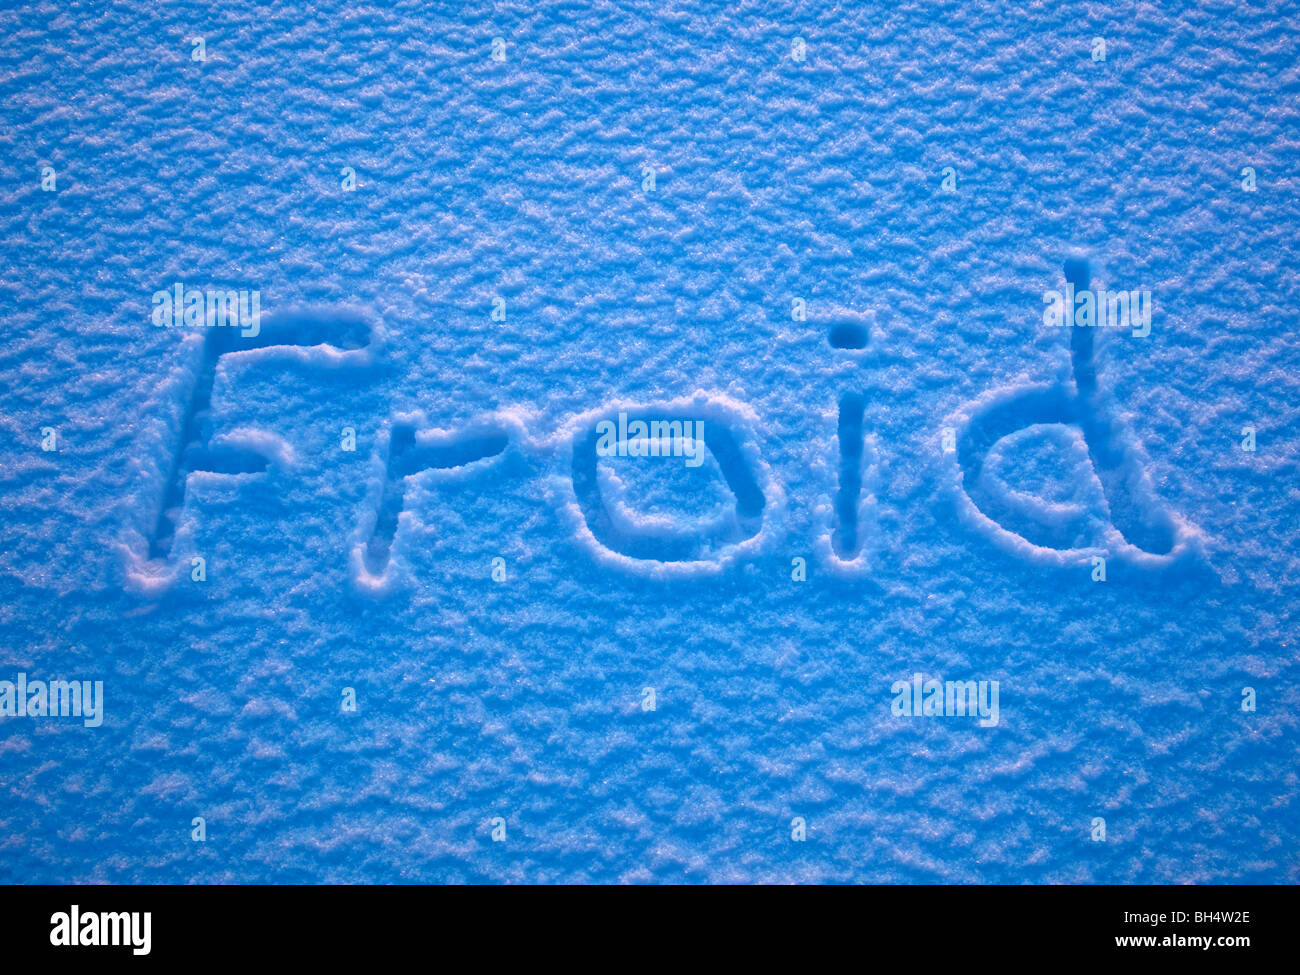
column 845, row 540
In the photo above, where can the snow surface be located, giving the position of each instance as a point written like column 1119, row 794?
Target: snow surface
column 522, row 699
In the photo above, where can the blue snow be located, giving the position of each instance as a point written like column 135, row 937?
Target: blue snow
column 477, row 231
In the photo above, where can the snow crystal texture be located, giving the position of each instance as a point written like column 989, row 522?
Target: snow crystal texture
column 823, row 231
